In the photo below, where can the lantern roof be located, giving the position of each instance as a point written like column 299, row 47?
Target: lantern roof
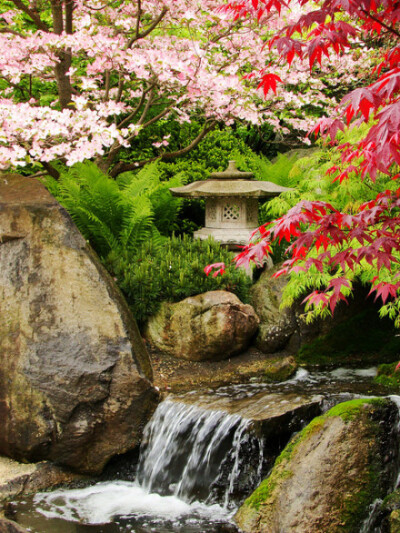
column 231, row 182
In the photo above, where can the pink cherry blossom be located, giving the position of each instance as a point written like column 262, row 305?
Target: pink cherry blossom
column 121, row 63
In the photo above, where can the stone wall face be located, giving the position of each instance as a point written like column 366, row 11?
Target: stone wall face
column 74, row 374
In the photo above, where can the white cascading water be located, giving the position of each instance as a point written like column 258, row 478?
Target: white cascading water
column 186, row 449
column 194, row 463
column 195, row 466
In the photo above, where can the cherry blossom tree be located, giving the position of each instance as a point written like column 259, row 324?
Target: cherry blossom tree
column 84, row 79
column 329, row 248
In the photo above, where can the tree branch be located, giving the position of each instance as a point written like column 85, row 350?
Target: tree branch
column 16, row 86
column 13, row 32
column 383, row 24
column 32, row 14
column 146, row 107
column 149, row 29
column 137, row 108
column 139, row 14
column 50, row 170
column 120, row 87
column 217, row 38
column 57, row 14
column 107, row 88
column 69, row 10
column 62, row 67
column 123, row 166
column 157, row 117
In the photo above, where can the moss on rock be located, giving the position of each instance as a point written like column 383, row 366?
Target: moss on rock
column 392, row 501
column 388, row 377
column 394, row 521
column 362, row 338
column 327, row 476
column 280, row 369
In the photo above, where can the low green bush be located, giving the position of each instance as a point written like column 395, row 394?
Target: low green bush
column 389, row 377
column 173, row 271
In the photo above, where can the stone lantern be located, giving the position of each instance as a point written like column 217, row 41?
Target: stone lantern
column 231, row 199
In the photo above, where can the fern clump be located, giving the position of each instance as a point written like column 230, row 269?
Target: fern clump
column 117, row 215
column 172, row 272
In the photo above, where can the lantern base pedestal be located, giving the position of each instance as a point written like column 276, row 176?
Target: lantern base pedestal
column 231, row 237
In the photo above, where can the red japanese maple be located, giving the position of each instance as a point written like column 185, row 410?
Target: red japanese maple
column 319, row 235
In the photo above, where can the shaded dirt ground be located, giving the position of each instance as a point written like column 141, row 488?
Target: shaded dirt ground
column 178, row 375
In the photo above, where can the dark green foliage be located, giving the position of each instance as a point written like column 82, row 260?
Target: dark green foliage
column 213, row 154
column 258, row 138
column 362, row 338
column 173, row 271
column 388, row 377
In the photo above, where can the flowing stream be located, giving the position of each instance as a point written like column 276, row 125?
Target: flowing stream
column 201, row 455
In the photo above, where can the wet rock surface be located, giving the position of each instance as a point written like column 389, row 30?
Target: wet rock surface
column 17, row 479
column 74, row 374
column 211, row 326
column 178, row 375
column 8, row 526
column 329, row 474
column 277, row 326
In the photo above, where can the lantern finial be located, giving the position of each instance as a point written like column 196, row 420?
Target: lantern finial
column 232, row 173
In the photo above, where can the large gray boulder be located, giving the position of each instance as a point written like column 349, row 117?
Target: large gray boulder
column 75, row 377
column 329, row 474
column 213, row 325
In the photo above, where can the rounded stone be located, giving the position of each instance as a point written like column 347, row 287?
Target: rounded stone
column 214, row 325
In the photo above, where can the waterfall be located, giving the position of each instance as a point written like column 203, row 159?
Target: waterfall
column 195, row 466
column 199, row 454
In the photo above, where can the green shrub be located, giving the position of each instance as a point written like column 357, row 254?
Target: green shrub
column 173, row 271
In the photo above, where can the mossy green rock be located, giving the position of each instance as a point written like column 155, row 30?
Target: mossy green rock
column 390, row 509
column 394, row 521
column 389, row 377
column 329, row 474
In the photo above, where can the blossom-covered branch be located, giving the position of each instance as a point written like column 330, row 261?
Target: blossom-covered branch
column 142, row 61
